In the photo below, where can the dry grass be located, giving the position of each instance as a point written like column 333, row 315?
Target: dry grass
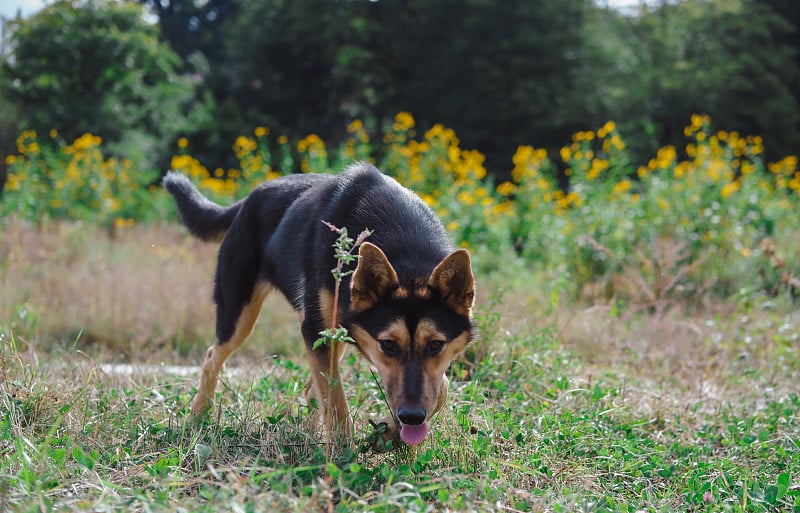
column 687, row 366
column 144, row 295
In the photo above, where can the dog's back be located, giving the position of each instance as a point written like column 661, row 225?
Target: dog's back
column 360, row 198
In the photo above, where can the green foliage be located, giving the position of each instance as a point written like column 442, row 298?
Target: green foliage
column 98, row 66
column 671, row 228
column 532, row 72
column 49, row 179
column 729, row 59
column 533, row 428
column 502, row 75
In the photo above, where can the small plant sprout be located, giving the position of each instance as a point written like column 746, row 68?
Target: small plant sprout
column 344, row 252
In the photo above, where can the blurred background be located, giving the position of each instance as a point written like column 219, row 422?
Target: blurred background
column 641, row 155
column 501, row 74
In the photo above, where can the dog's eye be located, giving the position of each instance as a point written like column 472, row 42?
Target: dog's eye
column 389, row 347
column 435, row 347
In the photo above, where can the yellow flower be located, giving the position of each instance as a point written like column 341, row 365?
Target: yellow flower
column 598, row 166
column 428, row 199
column 623, row 186
column 355, row 126
column 311, row 142
column 83, row 143
column 506, row 189
column 213, row 184
column 13, row 182
column 729, row 189
column 244, row 146
column 573, row 198
column 665, row 157
column 606, row 129
column 261, row 131
column 403, row 121
column 25, row 141
column 617, row 142
column 180, row 162
column 465, row 198
column 183, row 142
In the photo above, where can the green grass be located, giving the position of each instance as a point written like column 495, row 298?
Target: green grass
column 557, row 408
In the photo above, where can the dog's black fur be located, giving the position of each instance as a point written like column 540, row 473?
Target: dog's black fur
column 276, row 238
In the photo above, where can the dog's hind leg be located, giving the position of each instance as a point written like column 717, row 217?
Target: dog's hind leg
column 239, row 292
column 222, row 349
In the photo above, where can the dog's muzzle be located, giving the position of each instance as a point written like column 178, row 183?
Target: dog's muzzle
column 413, row 425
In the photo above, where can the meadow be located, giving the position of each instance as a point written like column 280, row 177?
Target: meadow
column 639, row 347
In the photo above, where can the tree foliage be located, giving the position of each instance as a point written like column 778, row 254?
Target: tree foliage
column 79, row 66
column 502, row 74
column 730, row 59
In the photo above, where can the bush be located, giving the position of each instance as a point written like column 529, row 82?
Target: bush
column 716, row 220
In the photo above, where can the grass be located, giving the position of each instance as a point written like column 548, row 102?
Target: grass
column 560, row 407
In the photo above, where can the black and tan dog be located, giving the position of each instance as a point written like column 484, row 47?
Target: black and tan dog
column 409, row 307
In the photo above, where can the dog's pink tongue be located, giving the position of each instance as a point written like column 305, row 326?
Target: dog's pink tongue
column 412, row 435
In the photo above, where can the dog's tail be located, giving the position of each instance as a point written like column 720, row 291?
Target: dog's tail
column 205, row 219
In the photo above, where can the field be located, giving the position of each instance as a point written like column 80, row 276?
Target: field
column 639, row 347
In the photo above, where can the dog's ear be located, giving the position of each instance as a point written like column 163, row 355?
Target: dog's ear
column 373, row 278
column 454, row 280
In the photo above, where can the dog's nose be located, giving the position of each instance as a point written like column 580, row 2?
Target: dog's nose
column 411, row 416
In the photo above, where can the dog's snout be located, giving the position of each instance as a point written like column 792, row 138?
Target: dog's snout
column 411, row 416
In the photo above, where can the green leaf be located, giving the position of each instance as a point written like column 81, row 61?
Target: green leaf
column 83, row 459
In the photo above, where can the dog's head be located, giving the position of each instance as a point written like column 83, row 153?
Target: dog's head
column 411, row 331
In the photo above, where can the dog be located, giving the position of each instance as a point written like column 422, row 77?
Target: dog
column 410, row 301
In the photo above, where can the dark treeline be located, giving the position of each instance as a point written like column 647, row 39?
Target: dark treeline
column 501, row 74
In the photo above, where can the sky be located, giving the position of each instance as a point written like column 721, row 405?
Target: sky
column 8, row 8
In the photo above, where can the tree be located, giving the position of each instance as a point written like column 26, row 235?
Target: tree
column 725, row 58
column 499, row 73
column 97, row 66
column 788, row 38
column 190, row 26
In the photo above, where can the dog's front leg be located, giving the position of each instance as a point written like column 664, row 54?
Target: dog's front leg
column 326, row 388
